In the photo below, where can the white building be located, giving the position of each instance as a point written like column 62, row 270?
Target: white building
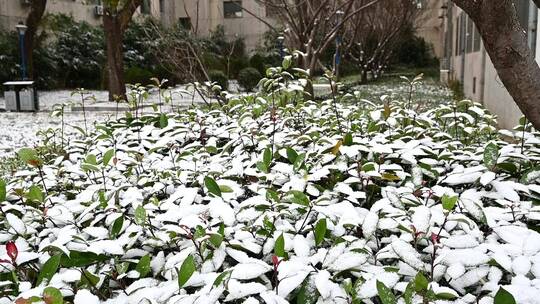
column 466, row 60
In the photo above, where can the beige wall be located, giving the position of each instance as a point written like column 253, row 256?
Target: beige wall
column 489, row 88
column 13, row 11
column 210, row 15
column 430, row 27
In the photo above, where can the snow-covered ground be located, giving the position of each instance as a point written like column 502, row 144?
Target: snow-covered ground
column 20, row 129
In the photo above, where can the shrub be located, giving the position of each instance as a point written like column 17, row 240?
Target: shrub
column 220, row 78
column 249, row 78
column 79, row 50
column 136, row 74
column 414, row 51
column 251, row 202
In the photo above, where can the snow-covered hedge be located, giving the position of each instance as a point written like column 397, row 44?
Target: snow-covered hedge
column 273, row 199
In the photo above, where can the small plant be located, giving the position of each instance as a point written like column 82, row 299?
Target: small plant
column 220, row 78
column 249, row 78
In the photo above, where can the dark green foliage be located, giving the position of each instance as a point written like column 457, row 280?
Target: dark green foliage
column 79, row 49
column 219, row 77
column 139, row 75
column 457, row 89
column 8, row 56
column 414, row 51
column 249, row 78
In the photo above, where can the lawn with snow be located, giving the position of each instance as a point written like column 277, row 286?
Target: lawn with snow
column 274, row 199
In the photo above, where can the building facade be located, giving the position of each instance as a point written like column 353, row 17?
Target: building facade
column 15, row 11
column 241, row 18
column 465, row 60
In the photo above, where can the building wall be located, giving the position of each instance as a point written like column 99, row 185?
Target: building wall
column 206, row 15
column 475, row 70
column 14, row 11
column 430, row 26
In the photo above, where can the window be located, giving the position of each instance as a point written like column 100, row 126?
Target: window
column 477, row 40
column 522, row 8
column 162, row 6
column 469, row 35
column 271, row 10
column 145, row 7
column 457, row 36
column 232, row 9
column 185, row 22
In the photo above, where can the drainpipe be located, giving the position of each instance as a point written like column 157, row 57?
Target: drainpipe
column 463, row 29
column 483, row 75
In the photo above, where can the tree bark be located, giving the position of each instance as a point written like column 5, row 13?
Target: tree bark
column 506, row 43
column 37, row 9
column 115, row 58
column 115, row 23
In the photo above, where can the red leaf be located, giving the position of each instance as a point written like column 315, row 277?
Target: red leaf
column 12, row 251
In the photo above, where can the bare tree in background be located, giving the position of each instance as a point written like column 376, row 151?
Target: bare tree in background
column 506, row 43
column 33, row 20
column 312, row 26
column 116, row 18
column 370, row 37
column 179, row 52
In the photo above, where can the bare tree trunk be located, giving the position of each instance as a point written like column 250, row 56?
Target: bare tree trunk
column 115, row 57
column 115, row 22
column 33, row 20
column 506, row 43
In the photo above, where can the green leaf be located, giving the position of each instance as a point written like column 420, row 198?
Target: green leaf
column 52, row 295
column 267, row 157
column 262, row 167
column 445, row 296
column 163, row 121
column 409, row 293
column 307, row 294
column 117, row 226
column 91, row 159
column 107, row 157
column 297, row 197
column 449, row 202
column 420, row 282
column 140, row 215
column 216, row 240
column 287, row 61
column 49, row 268
column 385, row 294
column 220, row 278
column 279, row 246
column 531, row 176
column 491, row 154
column 35, row 194
column 143, row 267
column 186, row 270
column 299, row 162
column 320, row 231
column 212, row 186
column 348, row 139
column 225, row 189
column 272, row 195
column 88, row 167
column 89, row 279
column 504, row 297
column 291, row 155
column 81, row 259
column 3, row 191
column 30, row 157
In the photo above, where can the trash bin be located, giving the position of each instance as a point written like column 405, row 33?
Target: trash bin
column 21, row 96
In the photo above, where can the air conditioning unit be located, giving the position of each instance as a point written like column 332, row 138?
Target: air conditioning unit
column 98, row 10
